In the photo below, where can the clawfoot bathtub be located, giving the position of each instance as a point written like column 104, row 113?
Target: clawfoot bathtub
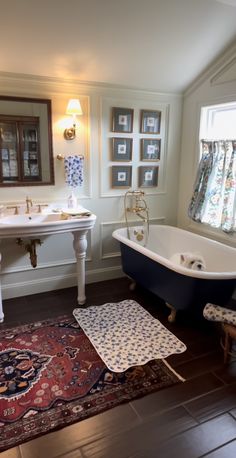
column 180, row 287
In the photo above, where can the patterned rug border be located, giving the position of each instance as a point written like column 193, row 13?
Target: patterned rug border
column 35, row 324
column 69, row 413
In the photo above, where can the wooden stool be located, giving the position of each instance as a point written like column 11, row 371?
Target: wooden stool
column 230, row 335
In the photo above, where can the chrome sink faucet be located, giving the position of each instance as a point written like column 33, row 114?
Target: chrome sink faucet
column 29, row 204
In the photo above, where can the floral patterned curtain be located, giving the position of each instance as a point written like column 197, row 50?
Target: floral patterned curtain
column 214, row 197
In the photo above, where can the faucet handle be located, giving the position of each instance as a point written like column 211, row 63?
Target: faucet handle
column 29, row 204
column 40, row 206
column 15, row 207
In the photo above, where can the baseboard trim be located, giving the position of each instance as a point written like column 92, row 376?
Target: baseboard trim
column 58, row 282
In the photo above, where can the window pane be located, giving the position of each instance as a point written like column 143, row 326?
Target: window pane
column 224, row 124
column 218, row 122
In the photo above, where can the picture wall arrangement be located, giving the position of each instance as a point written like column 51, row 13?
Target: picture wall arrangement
column 122, row 147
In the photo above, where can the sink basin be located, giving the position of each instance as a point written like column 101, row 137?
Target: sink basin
column 18, row 220
column 44, row 223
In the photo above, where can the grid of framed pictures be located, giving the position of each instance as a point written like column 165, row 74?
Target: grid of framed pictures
column 121, row 147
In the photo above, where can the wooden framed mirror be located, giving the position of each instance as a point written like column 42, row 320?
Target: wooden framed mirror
column 26, row 157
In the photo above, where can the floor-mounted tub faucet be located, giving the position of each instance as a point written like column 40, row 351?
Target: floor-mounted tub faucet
column 137, row 206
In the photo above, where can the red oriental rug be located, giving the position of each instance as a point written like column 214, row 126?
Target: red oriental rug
column 51, row 377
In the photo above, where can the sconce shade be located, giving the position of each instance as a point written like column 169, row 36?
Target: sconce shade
column 74, row 107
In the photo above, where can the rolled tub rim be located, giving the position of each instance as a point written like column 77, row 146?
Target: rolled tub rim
column 167, row 263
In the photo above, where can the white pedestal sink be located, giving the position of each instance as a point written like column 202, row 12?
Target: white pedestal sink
column 78, row 222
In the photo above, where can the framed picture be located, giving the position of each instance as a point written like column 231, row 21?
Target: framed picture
column 121, row 176
column 150, row 122
column 150, row 149
column 122, row 149
column 148, row 176
column 122, row 119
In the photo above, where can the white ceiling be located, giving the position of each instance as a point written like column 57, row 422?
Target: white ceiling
column 160, row 45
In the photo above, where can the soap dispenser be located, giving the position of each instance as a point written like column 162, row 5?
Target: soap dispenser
column 72, row 200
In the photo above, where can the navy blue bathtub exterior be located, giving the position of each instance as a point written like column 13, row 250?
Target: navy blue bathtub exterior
column 181, row 291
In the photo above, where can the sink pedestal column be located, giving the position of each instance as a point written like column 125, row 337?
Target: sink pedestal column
column 80, row 246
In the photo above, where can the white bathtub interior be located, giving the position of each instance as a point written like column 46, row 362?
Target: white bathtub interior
column 164, row 241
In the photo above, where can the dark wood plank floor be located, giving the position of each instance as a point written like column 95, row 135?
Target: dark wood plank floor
column 193, row 419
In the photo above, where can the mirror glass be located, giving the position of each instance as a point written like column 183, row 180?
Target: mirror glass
column 26, row 157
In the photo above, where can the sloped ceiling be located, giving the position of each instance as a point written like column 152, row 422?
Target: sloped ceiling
column 160, row 45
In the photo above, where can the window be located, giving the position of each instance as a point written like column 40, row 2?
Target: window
column 218, row 122
column 214, row 197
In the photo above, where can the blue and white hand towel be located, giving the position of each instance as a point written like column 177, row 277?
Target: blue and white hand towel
column 74, row 170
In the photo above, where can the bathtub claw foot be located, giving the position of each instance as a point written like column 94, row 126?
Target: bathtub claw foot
column 132, row 286
column 172, row 315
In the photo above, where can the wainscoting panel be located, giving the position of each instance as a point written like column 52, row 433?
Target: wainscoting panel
column 57, row 280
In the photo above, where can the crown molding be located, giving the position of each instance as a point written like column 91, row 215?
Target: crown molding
column 216, row 78
column 56, row 85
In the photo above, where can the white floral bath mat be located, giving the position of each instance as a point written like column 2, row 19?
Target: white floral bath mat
column 124, row 334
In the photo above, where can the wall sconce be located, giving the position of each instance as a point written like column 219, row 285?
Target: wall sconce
column 74, row 109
